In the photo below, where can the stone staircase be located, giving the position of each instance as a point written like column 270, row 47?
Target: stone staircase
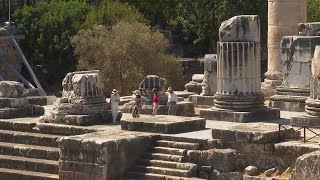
column 166, row 159
column 29, row 151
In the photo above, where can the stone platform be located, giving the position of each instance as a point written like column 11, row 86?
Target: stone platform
column 254, row 115
column 18, row 112
column 201, row 100
column 184, row 109
column 305, row 120
column 258, row 133
column 164, row 124
column 288, row 103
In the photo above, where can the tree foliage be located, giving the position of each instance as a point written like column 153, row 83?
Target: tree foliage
column 313, row 10
column 123, row 54
column 49, row 26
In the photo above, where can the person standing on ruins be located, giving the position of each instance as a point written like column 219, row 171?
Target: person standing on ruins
column 114, row 100
column 155, row 101
column 172, row 102
column 137, row 106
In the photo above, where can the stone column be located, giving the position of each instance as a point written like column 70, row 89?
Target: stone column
column 239, row 97
column 283, row 19
column 312, row 108
column 238, row 76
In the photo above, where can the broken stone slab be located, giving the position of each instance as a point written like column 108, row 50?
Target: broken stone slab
column 11, row 89
column 197, row 77
column 163, row 124
column 231, row 175
column 251, row 171
column 223, row 160
column 201, row 100
column 244, row 28
column 307, row 166
column 309, row 29
column 13, row 102
column 253, row 115
column 19, row 112
column 258, row 133
column 194, row 87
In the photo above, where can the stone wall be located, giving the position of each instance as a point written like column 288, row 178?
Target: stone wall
column 100, row 155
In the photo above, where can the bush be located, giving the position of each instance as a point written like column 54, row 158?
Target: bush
column 123, row 54
column 313, row 10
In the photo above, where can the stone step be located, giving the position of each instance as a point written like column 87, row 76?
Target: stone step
column 152, row 176
column 164, row 171
column 168, row 150
column 30, row 151
column 164, row 157
column 29, row 164
column 166, row 164
column 45, row 128
column 180, row 145
column 13, row 174
column 182, row 139
column 29, row 138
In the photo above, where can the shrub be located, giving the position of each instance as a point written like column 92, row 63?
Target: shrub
column 124, row 54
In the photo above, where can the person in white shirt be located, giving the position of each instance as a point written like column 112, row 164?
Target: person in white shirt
column 172, row 102
column 114, row 100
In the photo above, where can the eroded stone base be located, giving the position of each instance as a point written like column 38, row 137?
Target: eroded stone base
column 288, row 106
column 164, row 124
column 184, row 109
column 305, row 120
column 19, row 112
column 257, row 133
column 254, row 115
column 80, row 120
column 201, row 100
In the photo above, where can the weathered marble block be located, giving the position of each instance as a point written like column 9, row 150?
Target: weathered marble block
column 309, row 29
column 244, row 28
column 11, row 89
column 297, row 53
column 210, row 75
column 82, row 101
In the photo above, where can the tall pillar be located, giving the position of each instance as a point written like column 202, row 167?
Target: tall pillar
column 283, row 19
column 239, row 97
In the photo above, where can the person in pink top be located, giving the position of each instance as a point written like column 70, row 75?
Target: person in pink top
column 155, row 101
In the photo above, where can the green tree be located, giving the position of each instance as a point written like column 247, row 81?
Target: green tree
column 200, row 20
column 49, row 26
column 47, row 29
column 313, row 10
column 123, row 54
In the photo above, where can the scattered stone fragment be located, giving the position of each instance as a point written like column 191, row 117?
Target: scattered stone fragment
column 269, row 172
column 251, row 170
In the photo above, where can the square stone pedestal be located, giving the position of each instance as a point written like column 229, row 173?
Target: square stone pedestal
column 305, row 120
column 288, row 106
column 164, row 124
column 201, row 100
column 254, row 115
column 19, row 112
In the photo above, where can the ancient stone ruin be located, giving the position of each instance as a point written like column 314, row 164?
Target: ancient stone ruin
column 196, row 83
column 280, row 24
column 14, row 103
column 297, row 53
column 312, row 108
column 145, row 89
column 239, row 97
column 82, row 101
column 209, row 83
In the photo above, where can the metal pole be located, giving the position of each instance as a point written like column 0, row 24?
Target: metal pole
column 24, row 60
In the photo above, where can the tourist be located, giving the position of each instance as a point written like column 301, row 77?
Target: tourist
column 114, row 100
column 136, row 106
column 172, row 102
column 155, row 101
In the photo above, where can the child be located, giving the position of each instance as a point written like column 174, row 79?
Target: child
column 136, row 106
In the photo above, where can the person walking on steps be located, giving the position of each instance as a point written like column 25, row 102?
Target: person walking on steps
column 114, row 100
column 155, row 102
column 172, row 102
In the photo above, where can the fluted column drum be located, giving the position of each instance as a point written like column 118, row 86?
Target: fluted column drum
column 238, row 76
